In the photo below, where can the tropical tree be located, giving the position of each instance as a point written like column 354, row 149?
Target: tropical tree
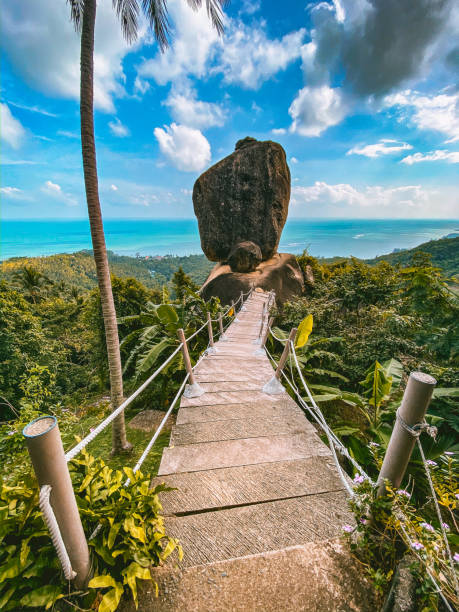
column 83, row 15
column 32, row 281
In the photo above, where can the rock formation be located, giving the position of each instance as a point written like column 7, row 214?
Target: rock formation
column 242, row 204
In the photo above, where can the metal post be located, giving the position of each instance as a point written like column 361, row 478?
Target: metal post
column 223, row 338
column 211, row 348
column 274, row 386
column 192, row 389
column 412, row 411
column 46, row 452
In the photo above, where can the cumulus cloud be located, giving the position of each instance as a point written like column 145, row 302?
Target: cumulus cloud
column 246, row 56
column 118, row 129
column 55, row 191
column 11, row 130
column 385, row 146
column 373, row 47
column 439, row 113
column 186, row 109
column 44, row 48
column 451, row 157
column 343, row 200
column 293, row 160
column 186, row 148
column 278, row 131
column 249, row 57
column 315, row 109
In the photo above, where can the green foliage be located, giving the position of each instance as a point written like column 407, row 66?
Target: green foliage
column 182, row 284
column 389, row 527
column 131, row 539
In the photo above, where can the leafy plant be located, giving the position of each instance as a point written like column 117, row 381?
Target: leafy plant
column 130, row 541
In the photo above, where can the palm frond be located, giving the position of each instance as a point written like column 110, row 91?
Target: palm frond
column 156, row 13
column 76, row 12
column 128, row 14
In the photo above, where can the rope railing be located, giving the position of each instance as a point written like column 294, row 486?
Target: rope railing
column 334, row 443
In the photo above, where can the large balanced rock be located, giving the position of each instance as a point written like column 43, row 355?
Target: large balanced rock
column 280, row 273
column 242, row 203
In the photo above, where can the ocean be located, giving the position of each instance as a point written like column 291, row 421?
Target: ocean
column 364, row 238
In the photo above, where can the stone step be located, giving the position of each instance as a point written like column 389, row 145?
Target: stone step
column 247, row 530
column 227, row 453
column 218, row 386
column 314, row 577
column 249, row 484
column 247, row 427
column 223, row 412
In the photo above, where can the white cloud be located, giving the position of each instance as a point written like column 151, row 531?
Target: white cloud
column 55, row 191
column 45, row 50
column 186, row 148
column 249, row 7
column 293, row 160
column 32, row 109
column 451, row 157
column 249, row 57
column 315, row 109
column 20, row 162
column 345, row 200
column 118, row 129
column 67, row 134
column 141, row 86
column 278, row 131
column 143, row 199
column 192, row 46
column 113, row 187
column 11, row 130
column 439, row 113
column 11, row 192
column 385, row 146
column 187, row 110
column 245, row 55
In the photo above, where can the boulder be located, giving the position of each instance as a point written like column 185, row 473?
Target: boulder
column 281, row 273
column 243, row 198
column 245, row 256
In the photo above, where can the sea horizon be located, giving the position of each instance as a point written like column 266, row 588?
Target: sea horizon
column 323, row 237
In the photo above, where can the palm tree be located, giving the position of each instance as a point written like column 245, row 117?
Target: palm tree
column 32, row 281
column 83, row 15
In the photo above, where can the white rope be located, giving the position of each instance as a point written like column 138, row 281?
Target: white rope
column 53, row 527
column 71, row 454
column 158, row 431
column 196, row 332
column 440, row 519
column 276, row 338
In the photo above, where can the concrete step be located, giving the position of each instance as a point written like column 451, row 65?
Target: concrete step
column 232, row 397
column 225, row 412
column 314, row 577
column 227, row 453
column 250, row 484
column 247, row 530
column 246, row 427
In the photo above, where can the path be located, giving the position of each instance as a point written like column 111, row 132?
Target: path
column 258, row 505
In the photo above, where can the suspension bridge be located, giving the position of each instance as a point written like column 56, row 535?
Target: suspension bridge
column 257, row 500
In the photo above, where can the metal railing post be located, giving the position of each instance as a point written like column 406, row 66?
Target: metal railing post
column 192, row 389
column 243, row 306
column 211, row 348
column 274, row 386
column 416, row 399
column 46, row 452
column 235, row 320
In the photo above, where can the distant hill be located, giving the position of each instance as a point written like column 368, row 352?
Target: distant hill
column 78, row 269
column 444, row 252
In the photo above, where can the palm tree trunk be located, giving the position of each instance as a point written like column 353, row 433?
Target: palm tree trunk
column 88, row 146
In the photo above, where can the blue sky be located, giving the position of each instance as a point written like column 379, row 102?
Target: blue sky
column 362, row 94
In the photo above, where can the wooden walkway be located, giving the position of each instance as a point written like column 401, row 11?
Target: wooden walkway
column 258, row 504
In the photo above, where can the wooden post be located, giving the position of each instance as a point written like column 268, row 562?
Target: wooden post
column 209, row 329
column 265, row 335
column 220, row 325
column 285, row 352
column 413, row 408
column 46, row 452
column 186, row 356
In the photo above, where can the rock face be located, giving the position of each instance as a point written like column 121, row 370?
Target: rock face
column 243, row 199
column 281, row 273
